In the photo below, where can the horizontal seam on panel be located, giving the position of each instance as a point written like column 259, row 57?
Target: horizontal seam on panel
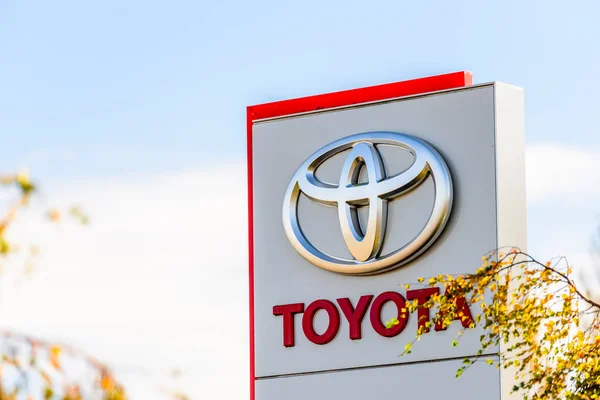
column 327, row 371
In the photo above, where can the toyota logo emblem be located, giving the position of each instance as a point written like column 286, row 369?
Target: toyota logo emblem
column 348, row 195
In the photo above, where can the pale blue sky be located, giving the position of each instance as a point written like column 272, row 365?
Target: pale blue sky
column 126, row 87
column 96, row 93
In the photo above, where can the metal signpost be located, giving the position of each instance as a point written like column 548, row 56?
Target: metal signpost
column 354, row 194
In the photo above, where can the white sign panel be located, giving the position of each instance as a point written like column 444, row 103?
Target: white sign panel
column 350, row 204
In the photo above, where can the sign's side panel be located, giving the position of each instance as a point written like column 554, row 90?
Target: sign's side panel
column 435, row 380
column 510, row 160
column 510, row 176
column 460, row 125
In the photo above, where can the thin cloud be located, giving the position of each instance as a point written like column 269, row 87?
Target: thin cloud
column 558, row 172
column 157, row 281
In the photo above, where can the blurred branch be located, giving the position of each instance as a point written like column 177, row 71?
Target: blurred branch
column 31, row 356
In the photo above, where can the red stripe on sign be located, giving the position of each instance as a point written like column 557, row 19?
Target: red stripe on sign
column 321, row 102
column 250, row 248
column 362, row 95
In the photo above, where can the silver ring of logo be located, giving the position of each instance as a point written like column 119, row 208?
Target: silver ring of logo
column 365, row 247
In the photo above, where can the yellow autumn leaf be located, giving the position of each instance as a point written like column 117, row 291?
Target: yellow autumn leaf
column 55, row 356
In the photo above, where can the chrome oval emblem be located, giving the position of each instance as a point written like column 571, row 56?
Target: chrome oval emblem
column 365, row 246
